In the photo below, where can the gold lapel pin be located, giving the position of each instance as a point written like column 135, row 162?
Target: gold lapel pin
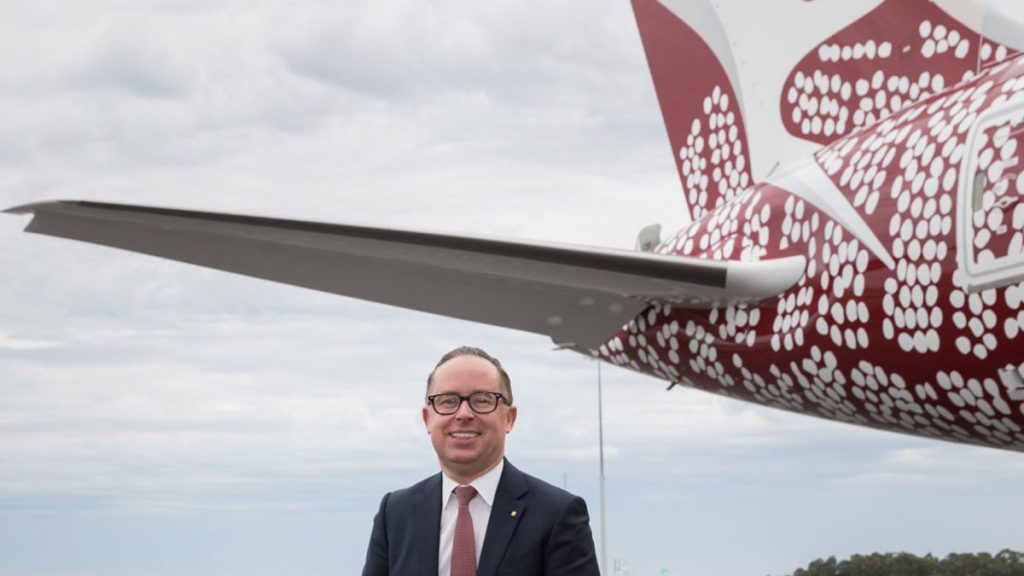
column 513, row 514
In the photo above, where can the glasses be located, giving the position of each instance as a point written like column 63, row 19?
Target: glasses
column 479, row 402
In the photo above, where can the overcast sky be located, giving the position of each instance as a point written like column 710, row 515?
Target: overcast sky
column 163, row 419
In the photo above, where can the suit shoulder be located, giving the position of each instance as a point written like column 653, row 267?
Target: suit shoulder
column 549, row 492
column 416, row 492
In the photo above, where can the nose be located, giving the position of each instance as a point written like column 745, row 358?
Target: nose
column 464, row 412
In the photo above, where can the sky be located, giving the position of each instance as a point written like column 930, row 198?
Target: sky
column 163, row 419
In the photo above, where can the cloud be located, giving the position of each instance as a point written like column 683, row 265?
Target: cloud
column 138, row 390
column 22, row 344
column 137, row 56
column 393, row 51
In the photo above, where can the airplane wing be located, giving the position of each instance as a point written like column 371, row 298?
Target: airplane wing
column 579, row 296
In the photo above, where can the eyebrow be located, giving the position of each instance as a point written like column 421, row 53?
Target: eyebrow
column 502, row 392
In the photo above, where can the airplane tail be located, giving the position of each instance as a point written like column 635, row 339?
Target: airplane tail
column 898, row 53
column 744, row 86
column 695, row 80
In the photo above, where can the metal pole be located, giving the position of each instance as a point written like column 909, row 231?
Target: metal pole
column 600, row 440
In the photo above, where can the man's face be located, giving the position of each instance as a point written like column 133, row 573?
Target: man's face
column 468, row 444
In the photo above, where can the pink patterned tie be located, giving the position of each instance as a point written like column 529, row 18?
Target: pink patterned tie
column 464, row 546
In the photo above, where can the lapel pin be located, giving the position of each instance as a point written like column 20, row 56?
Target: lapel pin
column 513, row 514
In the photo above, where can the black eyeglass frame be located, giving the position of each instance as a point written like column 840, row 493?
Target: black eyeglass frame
column 498, row 397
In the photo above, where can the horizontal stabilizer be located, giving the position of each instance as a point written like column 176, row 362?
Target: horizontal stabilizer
column 579, row 296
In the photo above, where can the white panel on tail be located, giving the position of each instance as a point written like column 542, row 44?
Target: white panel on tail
column 769, row 38
column 719, row 74
column 747, row 87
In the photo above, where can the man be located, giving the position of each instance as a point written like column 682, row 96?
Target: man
column 480, row 516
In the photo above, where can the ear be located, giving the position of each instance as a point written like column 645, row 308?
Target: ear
column 510, row 418
column 426, row 418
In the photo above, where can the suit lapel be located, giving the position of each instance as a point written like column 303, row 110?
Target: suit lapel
column 426, row 515
column 506, row 512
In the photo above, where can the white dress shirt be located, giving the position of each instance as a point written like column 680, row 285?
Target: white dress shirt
column 479, row 508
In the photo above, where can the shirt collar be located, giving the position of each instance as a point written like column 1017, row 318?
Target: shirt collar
column 486, row 485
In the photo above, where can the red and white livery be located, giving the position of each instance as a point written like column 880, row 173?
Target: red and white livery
column 854, row 173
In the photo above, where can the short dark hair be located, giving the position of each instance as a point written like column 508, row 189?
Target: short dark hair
column 506, row 382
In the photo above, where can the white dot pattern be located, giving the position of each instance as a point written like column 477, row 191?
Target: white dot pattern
column 903, row 349
column 998, row 216
column 864, row 74
column 713, row 161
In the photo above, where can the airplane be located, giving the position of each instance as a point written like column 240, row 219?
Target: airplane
column 856, row 250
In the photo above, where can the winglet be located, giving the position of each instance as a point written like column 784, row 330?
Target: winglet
column 27, row 208
column 34, row 207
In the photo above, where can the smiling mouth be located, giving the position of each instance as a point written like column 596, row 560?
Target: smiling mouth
column 465, row 435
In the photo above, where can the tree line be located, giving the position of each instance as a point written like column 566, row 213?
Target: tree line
column 1004, row 563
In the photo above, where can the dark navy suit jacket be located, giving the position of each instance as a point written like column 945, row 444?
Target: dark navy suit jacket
column 534, row 529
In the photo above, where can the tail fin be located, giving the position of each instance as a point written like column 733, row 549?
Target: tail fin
column 695, row 81
column 899, row 52
column 790, row 77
